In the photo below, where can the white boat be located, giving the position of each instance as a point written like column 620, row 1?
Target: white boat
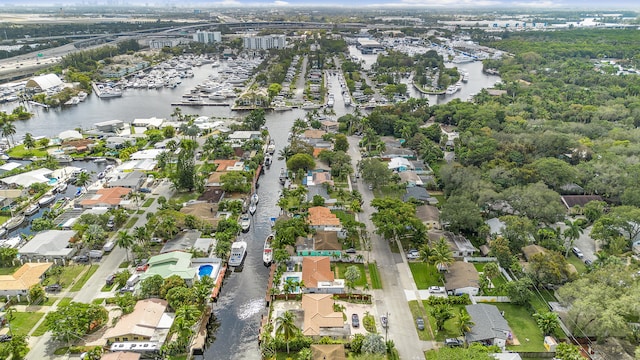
column 252, row 209
column 31, row 209
column 267, row 252
column 245, row 222
column 63, row 159
column 62, row 187
column 99, row 160
column 14, row 222
column 283, row 176
column 271, row 148
column 238, row 252
column 46, row 200
column 308, row 105
column 73, row 101
column 82, row 96
column 3, row 232
column 255, row 198
column 460, row 59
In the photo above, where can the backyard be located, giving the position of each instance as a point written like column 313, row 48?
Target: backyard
column 341, row 268
column 450, row 326
column 524, row 328
column 425, row 275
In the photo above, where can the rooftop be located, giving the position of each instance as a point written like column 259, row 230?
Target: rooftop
column 172, row 263
column 143, row 321
column 488, row 323
column 322, row 216
column 319, row 313
column 108, row 196
column 315, row 270
column 25, row 277
column 460, row 275
column 49, row 243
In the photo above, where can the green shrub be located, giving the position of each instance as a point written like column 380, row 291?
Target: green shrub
column 369, row 323
column 450, row 300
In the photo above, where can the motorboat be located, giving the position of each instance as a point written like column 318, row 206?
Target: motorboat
column 32, row 209
column 271, row 148
column 101, row 175
column 82, row 96
column 99, row 160
column 62, row 187
column 3, row 232
column 267, row 252
column 63, row 159
column 267, row 161
column 46, row 200
column 255, row 199
column 79, row 192
column 283, row 176
column 252, row 209
column 245, row 222
column 238, row 252
column 14, row 222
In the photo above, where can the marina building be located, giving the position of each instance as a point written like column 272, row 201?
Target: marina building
column 207, row 37
column 264, row 42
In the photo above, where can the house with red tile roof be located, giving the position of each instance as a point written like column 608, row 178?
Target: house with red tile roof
column 107, row 197
column 318, row 277
column 321, row 218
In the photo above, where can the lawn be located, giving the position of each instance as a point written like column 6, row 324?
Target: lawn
column 20, row 152
column 8, row 270
column 524, row 328
column 50, row 300
column 65, row 301
column 578, row 263
column 24, row 322
column 417, row 311
column 425, row 275
column 148, row 202
column 341, row 268
column 376, row 283
column 131, row 222
column 86, row 276
column 185, row 196
column 450, row 326
column 69, row 273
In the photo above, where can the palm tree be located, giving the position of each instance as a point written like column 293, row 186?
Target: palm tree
column 464, row 322
column 286, row 327
column 29, row 142
column 285, row 153
column 571, row 233
column 442, row 256
column 141, row 234
column 188, row 313
column 125, row 241
column 426, row 254
column 83, row 179
column 8, row 130
column 289, row 286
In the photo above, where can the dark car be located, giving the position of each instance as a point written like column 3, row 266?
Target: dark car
column 81, row 258
column 355, row 320
column 5, row 338
column 453, row 342
column 110, row 279
column 53, row 288
column 588, row 262
column 420, row 323
column 350, row 251
column 145, row 190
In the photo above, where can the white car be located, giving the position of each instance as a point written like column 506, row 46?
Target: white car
column 413, row 256
column 436, row 289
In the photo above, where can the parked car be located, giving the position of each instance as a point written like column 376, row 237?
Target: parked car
column 413, row 255
column 53, row 288
column 436, row 289
column 145, row 190
column 81, row 259
column 420, row 323
column 577, row 252
column 142, row 267
column 588, row 262
column 156, row 240
column 126, row 289
column 453, row 342
column 5, row 338
column 110, row 279
column 350, row 251
column 355, row 320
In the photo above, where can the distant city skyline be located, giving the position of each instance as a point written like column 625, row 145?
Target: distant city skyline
column 609, row 6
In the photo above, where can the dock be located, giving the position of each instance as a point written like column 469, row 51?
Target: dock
column 199, row 104
column 199, row 342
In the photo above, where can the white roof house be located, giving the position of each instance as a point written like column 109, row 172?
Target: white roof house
column 28, row 178
column 70, row 134
column 49, row 244
column 12, row 165
column 400, row 164
column 150, row 123
column 151, row 154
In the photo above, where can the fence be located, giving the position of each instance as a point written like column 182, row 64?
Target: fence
column 480, row 259
column 500, row 299
column 537, row 355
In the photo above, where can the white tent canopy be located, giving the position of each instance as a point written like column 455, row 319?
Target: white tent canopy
column 70, row 134
column 44, row 82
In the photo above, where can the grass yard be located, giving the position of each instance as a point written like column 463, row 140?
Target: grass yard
column 425, row 275
column 50, row 300
column 20, row 152
column 578, row 263
column 341, row 268
column 182, row 197
column 107, row 288
column 148, row 202
column 450, row 326
column 65, row 301
column 417, row 311
column 524, row 328
column 376, row 283
column 69, row 273
column 24, row 322
column 8, row 270
column 131, row 222
column 86, row 276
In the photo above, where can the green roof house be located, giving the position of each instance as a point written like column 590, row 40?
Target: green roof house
column 173, row 263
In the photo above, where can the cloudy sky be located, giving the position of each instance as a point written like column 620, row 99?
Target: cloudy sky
column 443, row 4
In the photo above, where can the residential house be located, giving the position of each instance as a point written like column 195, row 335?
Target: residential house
column 28, row 178
column 19, row 283
column 149, row 322
column 131, row 180
column 429, row 215
column 228, row 165
column 459, row 245
column 321, row 218
column 419, row 194
column 107, row 197
column 462, row 278
column 110, row 126
column 571, row 201
column 330, row 126
column 150, row 123
column 12, row 165
column 171, row 263
column 531, row 250
column 410, row 178
column 328, row 352
column 399, row 164
column 49, row 245
column 320, row 319
column 313, row 134
column 489, row 326
column 318, row 277
column 9, row 196
column 322, row 243
column 121, row 355
column 117, row 142
column 240, row 137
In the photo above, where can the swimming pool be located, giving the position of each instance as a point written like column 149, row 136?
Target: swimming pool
column 205, row 270
column 53, row 181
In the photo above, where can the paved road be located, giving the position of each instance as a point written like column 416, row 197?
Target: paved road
column 302, row 77
column 396, row 280
column 42, row 347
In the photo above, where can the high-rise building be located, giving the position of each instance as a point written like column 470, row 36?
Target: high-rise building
column 265, row 42
column 207, row 37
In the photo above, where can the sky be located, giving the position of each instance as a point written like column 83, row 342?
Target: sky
column 611, row 5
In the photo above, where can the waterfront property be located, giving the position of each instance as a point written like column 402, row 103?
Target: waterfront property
column 49, row 245
column 320, row 319
column 172, row 263
column 318, row 277
column 109, row 198
column 23, row 279
column 321, row 218
column 322, row 243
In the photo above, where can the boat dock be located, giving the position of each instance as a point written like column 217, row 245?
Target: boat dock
column 199, row 342
column 198, row 104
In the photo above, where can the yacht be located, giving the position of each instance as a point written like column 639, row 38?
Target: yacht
column 283, row 176
column 14, row 222
column 308, row 105
column 271, row 148
column 63, row 159
column 267, row 161
column 252, row 208
column 32, row 209
column 82, row 96
column 99, row 160
column 62, row 187
column 238, row 252
column 245, row 222
column 73, row 101
column 255, row 198
column 46, row 200
column 267, row 252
